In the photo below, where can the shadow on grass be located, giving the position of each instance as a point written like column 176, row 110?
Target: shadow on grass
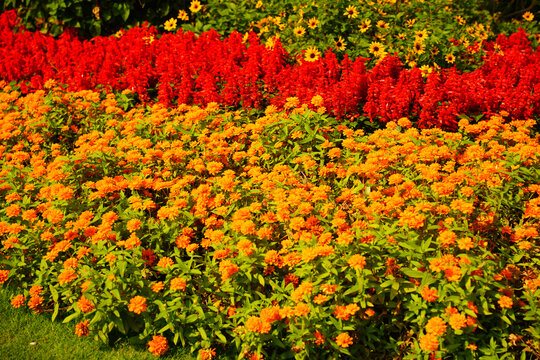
column 28, row 336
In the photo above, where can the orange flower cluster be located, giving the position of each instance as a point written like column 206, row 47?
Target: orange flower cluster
column 158, row 345
column 191, row 214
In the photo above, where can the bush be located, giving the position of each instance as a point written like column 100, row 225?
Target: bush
column 281, row 234
column 90, row 17
column 433, row 34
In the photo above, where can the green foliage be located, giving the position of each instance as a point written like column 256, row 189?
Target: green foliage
column 434, row 34
column 91, row 17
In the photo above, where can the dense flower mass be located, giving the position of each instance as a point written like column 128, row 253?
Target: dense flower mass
column 222, row 193
column 231, row 224
column 243, row 72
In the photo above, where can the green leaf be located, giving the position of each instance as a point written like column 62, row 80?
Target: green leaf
column 415, row 274
column 54, row 293
column 71, row 317
column 55, row 312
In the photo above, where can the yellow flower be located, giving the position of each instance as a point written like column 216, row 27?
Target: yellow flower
column 528, row 16
column 312, row 23
column 271, row 42
column 95, row 11
column 410, row 22
column 259, row 4
column 421, row 35
column 365, row 26
column 418, row 47
column 460, row 20
column 170, row 24
column 317, row 100
column 299, row 31
column 426, row 70
column 183, row 15
column 351, row 12
column 376, row 48
column 382, row 24
column 340, row 44
column 450, row 58
column 195, row 6
column 312, row 54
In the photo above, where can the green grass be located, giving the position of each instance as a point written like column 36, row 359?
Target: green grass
column 28, row 336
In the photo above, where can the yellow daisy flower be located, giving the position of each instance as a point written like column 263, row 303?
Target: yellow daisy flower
column 365, row 26
column 195, row 6
column 299, row 31
column 376, row 48
column 170, row 24
column 312, row 23
column 312, row 54
column 183, row 15
column 351, row 12
column 340, row 44
column 528, row 16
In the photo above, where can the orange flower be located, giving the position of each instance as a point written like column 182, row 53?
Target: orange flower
column 344, row 340
column 357, row 261
column 36, row 290
column 81, row 329
column 35, row 303
column 465, row 243
column 137, row 305
column 85, row 305
column 245, row 247
column 457, row 321
column 505, row 302
column 165, row 262
column 133, row 225
column 207, row 354
column 13, row 210
column 345, row 312
column 395, row 179
column 18, row 301
column 54, row 216
column 436, row 326
column 453, row 273
column 256, row 324
column 462, row 206
column 447, row 238
column 111, row 258
column 214, row 167
column 4, row 274
column 66, row 276
column 71, row 263
column 319, row 338
column 328, row 289
column 270, row 314
column 334, row 153
column 300, row 291
column 178, row 284
column 320, row 299
column 429, row 294
column 157, row 287
column 158, row 345
column 302, row 309
column 429, row 342
column 227, row 269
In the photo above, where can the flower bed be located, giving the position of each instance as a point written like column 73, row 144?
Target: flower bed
column 184, row 69
column 283, row 234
